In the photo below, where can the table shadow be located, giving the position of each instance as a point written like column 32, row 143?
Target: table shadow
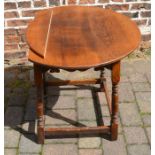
column 12, row 120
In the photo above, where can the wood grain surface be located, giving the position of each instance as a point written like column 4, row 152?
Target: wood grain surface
column 76, row 37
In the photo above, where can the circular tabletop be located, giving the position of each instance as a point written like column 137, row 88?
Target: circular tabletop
column 76, row 37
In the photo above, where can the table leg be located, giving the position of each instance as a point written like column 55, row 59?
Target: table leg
column 39, row 105
column 102, row 77
column 114, row 118
column 44, row 85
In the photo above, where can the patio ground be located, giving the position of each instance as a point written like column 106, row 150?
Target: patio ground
column 75, row 106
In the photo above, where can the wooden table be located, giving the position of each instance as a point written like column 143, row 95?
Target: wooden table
column 79, row 38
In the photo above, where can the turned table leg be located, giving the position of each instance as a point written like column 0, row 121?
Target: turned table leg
column 114, row 118
column 39, row 105
column 44, row 84
column 102, row 77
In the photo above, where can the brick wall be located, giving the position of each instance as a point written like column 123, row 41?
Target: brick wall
column 18, row 13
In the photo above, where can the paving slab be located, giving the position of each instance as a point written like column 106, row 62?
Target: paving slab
column 85, row 107
column 113, row 147
column 84, row 93
column 10, row 151
column 29, row 127
column 142, row 66
column 60, row 149
column 89, row 142
column 60, row 117
column 125, row 93
column 61, row 140
column 127, row 68
column 144, row 101
column 105, row 111
column 11, row 138
column 19, row 90
column 148, row 76
column 129, row 114
column 124, row 78
column 137, row 77
column 29, row 154
column 148, row 131
column 135, row 135
column 30, row 110
column 61, row 102
column 90, row 152
column 139, row 149
column 56, row 91
column 28, row 144
column 140, row 86
column 13, row 116
column 146, row 120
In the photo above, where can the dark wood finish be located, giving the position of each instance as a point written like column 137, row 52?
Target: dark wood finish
column 103, row 88
column 77, row 130
column 115, row 77
column 77, row 37
column 44, row 84
column 107, row 96
column 39, row 105
column 73, row 82
column 102, row 76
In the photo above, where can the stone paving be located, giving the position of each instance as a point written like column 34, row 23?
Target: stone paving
column 75, row 106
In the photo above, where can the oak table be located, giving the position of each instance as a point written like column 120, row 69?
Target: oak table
column 78, row 38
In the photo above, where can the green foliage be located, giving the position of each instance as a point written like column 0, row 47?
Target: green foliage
column 19, row 84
